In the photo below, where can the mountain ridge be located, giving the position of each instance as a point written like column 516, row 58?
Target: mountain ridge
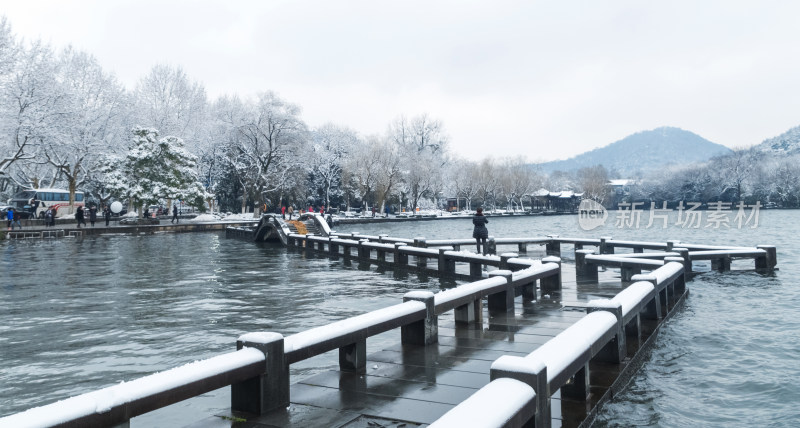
column 644, row 150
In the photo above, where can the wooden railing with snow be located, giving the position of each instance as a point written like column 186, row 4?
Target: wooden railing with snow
column 258, row 372
column 764, row 256
column 365, row 246
column 562, row 363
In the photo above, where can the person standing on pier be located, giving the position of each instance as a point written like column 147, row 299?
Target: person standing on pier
column 291, row 211
column 9, row 217
column 107, row 214
column 92, row 215
column 174, row 213
column 79, row 217
column 480, row 232
column 283, row 212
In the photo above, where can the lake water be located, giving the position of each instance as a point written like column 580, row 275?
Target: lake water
column 78, row 315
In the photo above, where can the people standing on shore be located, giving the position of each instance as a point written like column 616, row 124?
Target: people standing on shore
column 107, row 214
column 92, row 215
column 480, row 232
column 79, row 217
column 283, row 212
column 291, row 211
column 174, row 214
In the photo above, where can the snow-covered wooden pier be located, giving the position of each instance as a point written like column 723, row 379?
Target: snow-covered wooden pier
column 527, row 341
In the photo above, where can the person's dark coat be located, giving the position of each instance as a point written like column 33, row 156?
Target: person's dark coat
column 92, row 214
column 79, row 214
column 480, row 230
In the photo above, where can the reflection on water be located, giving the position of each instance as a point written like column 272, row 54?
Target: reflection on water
column 77, row 315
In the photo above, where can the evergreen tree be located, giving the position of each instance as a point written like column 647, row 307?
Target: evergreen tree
column 156, row 169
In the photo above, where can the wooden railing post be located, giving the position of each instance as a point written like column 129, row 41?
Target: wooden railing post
column 400, row 259
column 532, row 372
column 583, row 269
column 770, row 260
column 687, row 262
column 553, row 247
column 270, row 390
column 502, row 301
column 605, row 248
column 551, row 283
column 615, row 350
column 653, row 310
column 425, row 331
column 679, row 286
column 447, row 266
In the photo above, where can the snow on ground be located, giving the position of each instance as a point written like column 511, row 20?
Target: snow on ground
column 205, row 218
column 245, row 216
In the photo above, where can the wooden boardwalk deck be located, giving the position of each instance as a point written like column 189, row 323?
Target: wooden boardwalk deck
column 409, row 386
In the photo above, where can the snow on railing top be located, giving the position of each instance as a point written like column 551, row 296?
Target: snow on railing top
column 492, row 406
column 103, row 400
column 568, row 346
column 331, row 332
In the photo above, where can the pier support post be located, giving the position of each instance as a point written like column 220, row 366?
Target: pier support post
column 447, row 266
column 553, row 247
column 492, row 245
column 522, row 247
column 615, row 350
column 551, row 283
column 606, row 248
column 770, row 260
column 270, row 390
column 579, row 388
column 380, row 255
column 353, row 357
column 583, row 269
column 400, row 259
column 420, row 242
column 469, row 313
column 722, row 264
column 532, row 372
column 502, row 301
column 422, row 332
column 333, row 248
column 363, row 252
column 475, row 269
column 656, row 307
column 638, row 250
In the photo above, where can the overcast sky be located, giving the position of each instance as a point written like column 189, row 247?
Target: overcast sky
column 540, row 79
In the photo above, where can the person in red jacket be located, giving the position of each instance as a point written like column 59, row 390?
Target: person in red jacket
column 283, row 212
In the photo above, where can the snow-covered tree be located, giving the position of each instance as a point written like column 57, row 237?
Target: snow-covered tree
column 156, row 169
column 168, row 100
column 422, row 143
column 265, row 144
column 330, row 144
column 30, row 105
column 90, row 120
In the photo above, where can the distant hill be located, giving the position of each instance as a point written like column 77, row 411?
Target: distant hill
column 786, row 143
column 643, row 151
